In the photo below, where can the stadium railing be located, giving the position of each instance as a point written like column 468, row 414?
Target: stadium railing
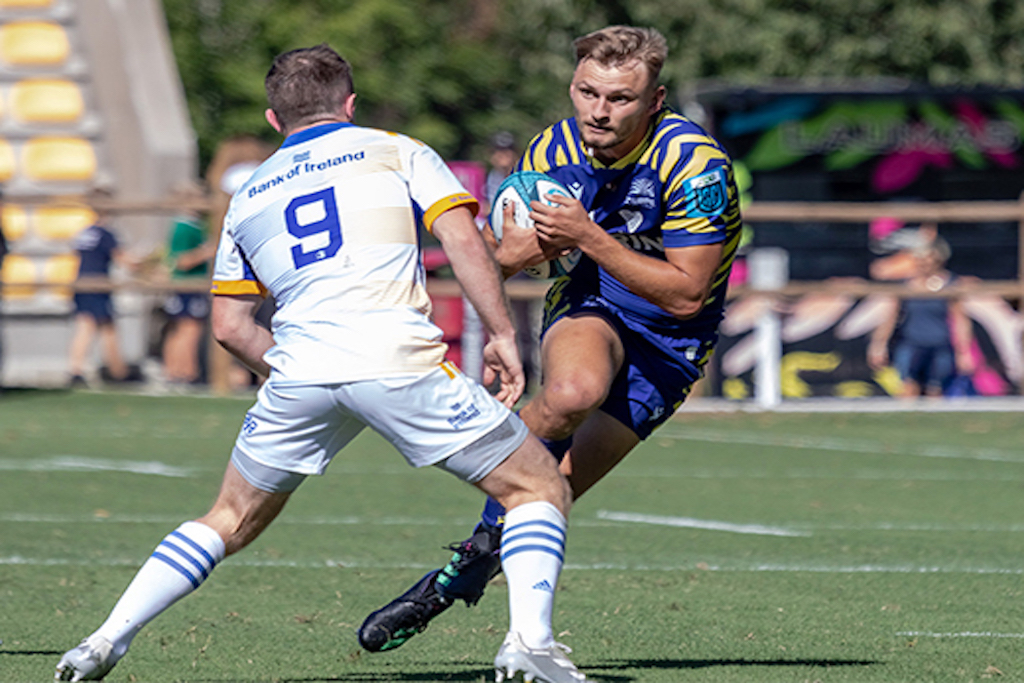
column 16, row 281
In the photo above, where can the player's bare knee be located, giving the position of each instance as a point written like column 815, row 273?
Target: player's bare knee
column 577, row 395
column 562, row 407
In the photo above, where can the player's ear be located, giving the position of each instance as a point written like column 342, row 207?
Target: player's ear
column 272, row 120
column 659, row 99
column 350, row 107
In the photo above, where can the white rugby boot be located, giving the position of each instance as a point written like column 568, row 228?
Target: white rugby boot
column 542, row 665
column 90, row 661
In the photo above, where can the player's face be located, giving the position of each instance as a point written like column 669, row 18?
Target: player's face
column 614, row 105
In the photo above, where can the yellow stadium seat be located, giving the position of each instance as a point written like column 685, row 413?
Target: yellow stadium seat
column 58, row 159
column 18, row 4
column 61, row 223
column 61, row 269
column 33, row 43
column 46, row 100
column 14, row 221
column 7, row 164
column 18, row 275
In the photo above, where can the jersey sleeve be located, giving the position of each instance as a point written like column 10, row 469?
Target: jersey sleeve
column 433, row 187
column 701, row 199
column 232, row 274
column 555, row 146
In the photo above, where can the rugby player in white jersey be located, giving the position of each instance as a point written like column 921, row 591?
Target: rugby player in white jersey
column 328, row 227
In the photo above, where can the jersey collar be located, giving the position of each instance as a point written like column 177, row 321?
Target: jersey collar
column 313, row 132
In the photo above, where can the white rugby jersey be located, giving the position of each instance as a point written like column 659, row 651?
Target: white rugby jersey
column 328, row 226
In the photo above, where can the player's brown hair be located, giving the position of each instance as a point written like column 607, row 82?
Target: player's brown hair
column 308, row 84
column 618, row 45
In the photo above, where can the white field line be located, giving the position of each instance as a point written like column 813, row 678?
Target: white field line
column 797, row 528
column 691, row 523
column 603, row 519
column 683, row 472
column 961, row 634
column 76, row 463
column 84, row 464
column 825, row 443
column 81, row 463
column 18, row 560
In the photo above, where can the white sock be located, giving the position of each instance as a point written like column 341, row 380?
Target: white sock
column 532, row 552
column 176, row 568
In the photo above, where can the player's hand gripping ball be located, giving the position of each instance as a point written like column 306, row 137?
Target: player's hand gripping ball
column 519, row 189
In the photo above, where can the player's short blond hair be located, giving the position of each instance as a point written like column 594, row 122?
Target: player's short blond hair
column 618, row 45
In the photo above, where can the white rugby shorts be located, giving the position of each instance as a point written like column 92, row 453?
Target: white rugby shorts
column 438, row 418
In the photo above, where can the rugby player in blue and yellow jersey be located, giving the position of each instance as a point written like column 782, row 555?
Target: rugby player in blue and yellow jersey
column 655, row 212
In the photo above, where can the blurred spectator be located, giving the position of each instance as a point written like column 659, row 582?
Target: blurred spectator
column 189, row 253
column 504, row 153
column 931, row 337
column 895, row 245
column 97, row 249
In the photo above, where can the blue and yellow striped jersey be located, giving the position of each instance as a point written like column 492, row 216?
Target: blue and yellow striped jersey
column 676, row 189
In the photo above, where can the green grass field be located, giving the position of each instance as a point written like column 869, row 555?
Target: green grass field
column 733, row 548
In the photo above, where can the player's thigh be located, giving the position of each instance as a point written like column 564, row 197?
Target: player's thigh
column 294, row 429
column 439, row 418
column 580, row 356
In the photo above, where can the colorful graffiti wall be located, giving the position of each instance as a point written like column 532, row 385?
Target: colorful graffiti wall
column 900, row 145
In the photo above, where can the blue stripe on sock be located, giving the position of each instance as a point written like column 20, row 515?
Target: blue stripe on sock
column 538, row 522
column 184, row 553
column 195, row 546
column 177, row 567
column 560, row 540
column 505, row 554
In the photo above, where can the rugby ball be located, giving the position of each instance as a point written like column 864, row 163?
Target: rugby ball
column 519, row 189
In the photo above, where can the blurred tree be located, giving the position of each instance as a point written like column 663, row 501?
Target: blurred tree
column 452, row 72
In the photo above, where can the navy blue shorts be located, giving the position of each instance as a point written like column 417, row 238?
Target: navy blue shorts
column 658, row 372
column 99, row 306
column 187, row 305
column 929, row 366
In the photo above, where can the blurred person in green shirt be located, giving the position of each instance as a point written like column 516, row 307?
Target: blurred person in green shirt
column 189, row 253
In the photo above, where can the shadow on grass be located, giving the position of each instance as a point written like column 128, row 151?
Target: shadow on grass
column 475, row 676
column 597, row 670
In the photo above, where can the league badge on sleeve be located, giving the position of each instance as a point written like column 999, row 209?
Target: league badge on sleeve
column 706, row 194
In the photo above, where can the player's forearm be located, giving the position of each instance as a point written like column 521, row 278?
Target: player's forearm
column 664, row 284
column 249, row 348
column 476, row 270
column 481, row 280
column 235, row 328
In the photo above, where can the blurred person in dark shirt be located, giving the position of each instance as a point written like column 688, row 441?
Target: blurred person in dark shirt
column 930, row 336
column 97, row 250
